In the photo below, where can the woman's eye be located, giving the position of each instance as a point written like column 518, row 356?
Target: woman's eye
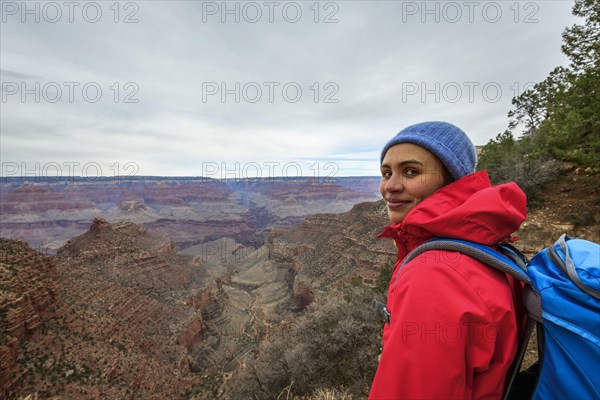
column 386, row 174
column 411, row 172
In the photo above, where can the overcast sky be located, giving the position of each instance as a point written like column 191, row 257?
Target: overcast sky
column 236, row 89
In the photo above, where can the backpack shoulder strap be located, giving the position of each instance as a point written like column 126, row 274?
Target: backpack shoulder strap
column 509, row 260
column 512, row 262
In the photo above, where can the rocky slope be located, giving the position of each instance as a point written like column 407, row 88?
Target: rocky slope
column 331, row 250
column 571, row 205
column 28, row 295
column 128, row 316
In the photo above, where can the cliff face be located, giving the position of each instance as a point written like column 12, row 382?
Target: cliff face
column 330, row 250
column 129, row 314
column 46, row 212
column 40, row 199
column 296, row 267
column 27, row 296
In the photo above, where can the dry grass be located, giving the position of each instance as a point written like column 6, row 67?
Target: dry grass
column 326, row 394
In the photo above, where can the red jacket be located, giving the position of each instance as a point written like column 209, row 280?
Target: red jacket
column 455, row 322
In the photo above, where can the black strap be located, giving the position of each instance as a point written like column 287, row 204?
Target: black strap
column 516, row 364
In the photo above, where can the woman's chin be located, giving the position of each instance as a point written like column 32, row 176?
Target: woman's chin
column 396, row 216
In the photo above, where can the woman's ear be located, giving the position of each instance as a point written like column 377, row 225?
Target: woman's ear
column 448, row 179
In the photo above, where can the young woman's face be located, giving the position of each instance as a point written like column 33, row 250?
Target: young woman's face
column 409, row 173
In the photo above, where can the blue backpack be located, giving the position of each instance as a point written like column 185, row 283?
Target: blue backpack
column 562, row 297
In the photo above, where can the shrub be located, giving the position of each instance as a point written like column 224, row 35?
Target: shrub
column 335, row 344
column 524, row 161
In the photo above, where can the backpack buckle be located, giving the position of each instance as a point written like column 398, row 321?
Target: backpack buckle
column 379, row 306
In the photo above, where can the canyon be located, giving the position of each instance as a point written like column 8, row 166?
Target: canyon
column 180, row 294
column 151, row 288
column 46, row 212
column 121, row 313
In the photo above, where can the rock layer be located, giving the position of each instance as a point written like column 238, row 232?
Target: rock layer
column 27, row 295
column 331, row 250
column 128, row 314
column 46, row 212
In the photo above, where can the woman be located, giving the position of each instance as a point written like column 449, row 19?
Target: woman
column 455, row 322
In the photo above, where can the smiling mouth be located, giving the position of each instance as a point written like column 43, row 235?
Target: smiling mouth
column 397, row 203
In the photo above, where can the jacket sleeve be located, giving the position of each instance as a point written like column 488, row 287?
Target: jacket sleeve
column 440, row 336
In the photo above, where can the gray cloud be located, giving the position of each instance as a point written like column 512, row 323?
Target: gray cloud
column 362, row 78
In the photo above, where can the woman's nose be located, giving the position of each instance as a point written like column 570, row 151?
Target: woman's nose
column 394, row 184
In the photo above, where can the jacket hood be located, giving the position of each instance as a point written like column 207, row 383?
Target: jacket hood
column 469, row 209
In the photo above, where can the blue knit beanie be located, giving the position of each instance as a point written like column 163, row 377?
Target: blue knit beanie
column 449, row 143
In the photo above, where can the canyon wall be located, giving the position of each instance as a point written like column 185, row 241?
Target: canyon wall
column 46, row 212
column 116, row 314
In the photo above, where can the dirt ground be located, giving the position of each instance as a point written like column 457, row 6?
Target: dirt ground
column 570, row 205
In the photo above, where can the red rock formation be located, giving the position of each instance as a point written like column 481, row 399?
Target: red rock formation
column 121, row 328
column 99, row 225
column 132, row 205
column 202, row 299
column 191, row 333
column 38, row 198
column 329, row 250
column 304, row 295
column 190, row 210
column 27, row 292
